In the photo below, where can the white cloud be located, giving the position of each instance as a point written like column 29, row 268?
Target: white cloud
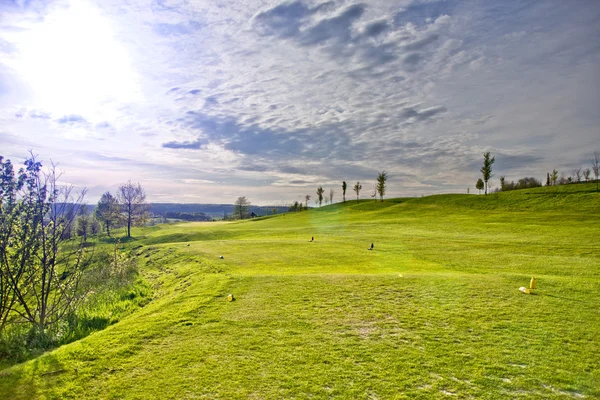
column 266, row 99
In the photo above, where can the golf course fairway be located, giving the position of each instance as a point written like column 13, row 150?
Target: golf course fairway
column 432, row 312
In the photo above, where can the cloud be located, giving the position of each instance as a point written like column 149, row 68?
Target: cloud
column 39, row 115
column 71, row 119
column 178, row 29
column 276, row 97
column 411, row 112
column 188, row 145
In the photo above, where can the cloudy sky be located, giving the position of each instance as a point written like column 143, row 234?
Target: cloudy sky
column 208, row 100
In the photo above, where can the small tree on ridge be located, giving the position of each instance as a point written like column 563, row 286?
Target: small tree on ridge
column 486, row 170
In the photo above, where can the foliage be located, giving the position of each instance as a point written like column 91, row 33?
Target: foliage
column 523, row 183
column 297, row 206
column 554, row 177
column 240, row 207
column 190, row 216
column 357, row 188
column 381, row 183
column 41, row 269
column 320, row 192
column 108, row 211
column 479, row 185
column 486, row 170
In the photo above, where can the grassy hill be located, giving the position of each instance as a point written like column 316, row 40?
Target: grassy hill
column 433, row 311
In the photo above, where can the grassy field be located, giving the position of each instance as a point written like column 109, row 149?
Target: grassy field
column 432, row 312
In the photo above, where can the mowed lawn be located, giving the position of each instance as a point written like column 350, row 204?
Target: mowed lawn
column 432, row 312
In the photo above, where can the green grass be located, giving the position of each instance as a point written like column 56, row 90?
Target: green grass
column 433, row 312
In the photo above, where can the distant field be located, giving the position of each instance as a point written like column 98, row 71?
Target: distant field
column 432, row 312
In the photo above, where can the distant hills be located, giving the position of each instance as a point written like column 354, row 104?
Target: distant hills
column 195, row 211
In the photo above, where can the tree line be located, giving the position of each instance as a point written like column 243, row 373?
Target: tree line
column 552, row 178
column 379, row 189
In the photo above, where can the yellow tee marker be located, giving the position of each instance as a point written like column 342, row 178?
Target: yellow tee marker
column 531, row 287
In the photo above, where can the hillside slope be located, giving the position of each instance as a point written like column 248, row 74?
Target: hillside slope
column 432, row 312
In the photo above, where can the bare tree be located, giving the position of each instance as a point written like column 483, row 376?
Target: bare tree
column 596, row 167
column 306, row 198
column 577, row 174
column 133, row 202
column 586, row 174
column 357, row 187
column 241, row 207
column 331, row 193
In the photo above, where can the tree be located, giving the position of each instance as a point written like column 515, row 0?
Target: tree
column 42, row 274
column 108, row 211
column 320, row 192
column 241, row 206
column 554, row 177
column 486, row 170
column 586, row 174
column 82, row 225
column 479, row 185
column 331, row 193
column 133, row 204
column 10, row 186
column 381, row 186
column 502, row 183
column 548, row 181
column 596, row 167
column 357, row 187
column 306, row 198
column 577, row 174
column 344, row 187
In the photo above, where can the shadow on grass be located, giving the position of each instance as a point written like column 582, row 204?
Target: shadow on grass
column 557, row 193
column 24, row 382
column 563, row 298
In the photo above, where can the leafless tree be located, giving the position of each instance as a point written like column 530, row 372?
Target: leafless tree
column 331, row 193
column 596, row 167
column 133, row 202
column 577, row 174
column 586, row 174
column 306, row 198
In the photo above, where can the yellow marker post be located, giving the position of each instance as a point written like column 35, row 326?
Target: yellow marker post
column 532, row 284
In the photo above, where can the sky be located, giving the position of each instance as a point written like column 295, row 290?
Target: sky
column 205, row 101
